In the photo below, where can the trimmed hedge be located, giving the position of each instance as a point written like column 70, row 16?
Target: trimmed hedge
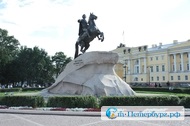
column 11, row 90
column 185, row 101
column 158, row 89
column 32, row 89
column 72, row 102
column 140, row 101
column 30, row 101
column 92, row 102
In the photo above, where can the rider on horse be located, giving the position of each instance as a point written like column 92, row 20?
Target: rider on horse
column 83, row 27
column 84, row 37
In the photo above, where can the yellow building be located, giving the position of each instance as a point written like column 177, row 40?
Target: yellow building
column 158, row 64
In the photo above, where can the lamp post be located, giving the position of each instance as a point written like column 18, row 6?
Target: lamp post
column 124, row 66
column 125, row 74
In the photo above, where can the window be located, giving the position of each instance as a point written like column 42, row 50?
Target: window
column 137, row 69
column 187, row 66
column 163, row 78
column 186, row 77
column 129, row 50
column 157, row 68
column 180, row 68
column 187, row 55
column 139, row 49
column 178, row 77
column 180, row 56
column 136, row 62
column 163, row 68
column 145, row 47
column 151, row 68
column 157, row 78
column 152, row 79
column 136, row 79
column 141, row 79
column 172, row 78
column 151, row 58
column 162, row 57
column 173, row 68
column 124, row 51
column 156, row 57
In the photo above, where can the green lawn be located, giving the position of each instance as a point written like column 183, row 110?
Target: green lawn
column 161, row 93
column 20, row 93
column 148, row 93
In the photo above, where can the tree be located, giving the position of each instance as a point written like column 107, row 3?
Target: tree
column 60, row 60
column 8, row 50
column 34, row 66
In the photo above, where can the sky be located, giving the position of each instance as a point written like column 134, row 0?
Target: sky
column 52, row 24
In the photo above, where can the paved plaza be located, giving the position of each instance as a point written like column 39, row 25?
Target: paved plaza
column 61, row 118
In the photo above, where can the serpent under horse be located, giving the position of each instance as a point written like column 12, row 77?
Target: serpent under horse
column 84, row 40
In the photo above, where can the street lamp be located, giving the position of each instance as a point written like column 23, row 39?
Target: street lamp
column 125, row 66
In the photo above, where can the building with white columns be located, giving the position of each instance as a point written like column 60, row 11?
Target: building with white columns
column 158, row 64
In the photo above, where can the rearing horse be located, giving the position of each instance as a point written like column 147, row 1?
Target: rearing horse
column 84, row 40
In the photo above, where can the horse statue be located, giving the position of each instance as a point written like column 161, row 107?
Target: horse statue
column 85, row 39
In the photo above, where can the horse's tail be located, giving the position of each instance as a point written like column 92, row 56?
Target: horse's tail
column 76, row 50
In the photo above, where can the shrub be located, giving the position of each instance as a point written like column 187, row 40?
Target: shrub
column 185, row 101
column 140, row 101
column 30, row 101
column 40, row 101
column 72, row 102
column 167, row 101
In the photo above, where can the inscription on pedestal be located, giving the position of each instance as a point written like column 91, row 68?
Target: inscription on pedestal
column 78, row 62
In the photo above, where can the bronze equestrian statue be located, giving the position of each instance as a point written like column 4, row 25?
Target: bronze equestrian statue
column 87, row 32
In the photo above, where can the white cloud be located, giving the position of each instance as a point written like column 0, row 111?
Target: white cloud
column 52, row 24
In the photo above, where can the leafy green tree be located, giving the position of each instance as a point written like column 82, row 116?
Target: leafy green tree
column 31, row 65
column 8, row 50
column 12, row 71
column 60, row 60
column 34, row 66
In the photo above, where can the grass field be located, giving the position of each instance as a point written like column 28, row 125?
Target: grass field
column 161, row 93
column 148, row 93
column 20, row 93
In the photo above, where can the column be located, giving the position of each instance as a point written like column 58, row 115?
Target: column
column 129, row 66
column 145, row 65
column 175, row 67
column 139, row 65
column 182, row 64
column 169, row 69
column 189, row 59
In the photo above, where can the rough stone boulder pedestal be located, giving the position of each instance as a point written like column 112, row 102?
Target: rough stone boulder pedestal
column 90, row 74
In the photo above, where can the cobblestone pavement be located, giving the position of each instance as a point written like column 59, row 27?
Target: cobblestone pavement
column 8, row 119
